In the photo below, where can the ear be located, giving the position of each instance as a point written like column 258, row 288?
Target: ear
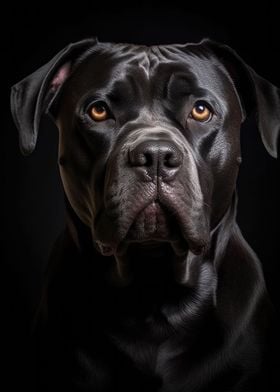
column 32, row 97
column 255, row 93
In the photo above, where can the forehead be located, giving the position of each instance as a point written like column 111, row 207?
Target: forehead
column 113, row 66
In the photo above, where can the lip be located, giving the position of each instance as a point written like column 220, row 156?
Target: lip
column 155, row 247
column 157, row 214
column 154, row 225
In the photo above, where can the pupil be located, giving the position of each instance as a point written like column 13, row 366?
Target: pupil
column 99, row 109
column 200, row 108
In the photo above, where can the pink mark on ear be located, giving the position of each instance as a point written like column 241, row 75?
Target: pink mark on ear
column 60, row 77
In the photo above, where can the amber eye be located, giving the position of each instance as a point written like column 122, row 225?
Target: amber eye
column 201, row 112
column 98, row 111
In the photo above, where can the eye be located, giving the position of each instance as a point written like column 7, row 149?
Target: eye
column 201, row 112
column 98, row 111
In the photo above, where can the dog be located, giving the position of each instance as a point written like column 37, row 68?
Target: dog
column 152, row 285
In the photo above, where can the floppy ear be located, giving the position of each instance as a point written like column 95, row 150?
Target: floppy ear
column 32, row 97
column 255, row 93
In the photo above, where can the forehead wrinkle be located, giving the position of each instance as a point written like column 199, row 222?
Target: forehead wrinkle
column 144, row 59
column 198, row 69
column 145, row 64
column 148, row 58
column 128, row 59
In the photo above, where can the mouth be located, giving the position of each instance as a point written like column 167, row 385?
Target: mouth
column 153, row 250
column 153, row 227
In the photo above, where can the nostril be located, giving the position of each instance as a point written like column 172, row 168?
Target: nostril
column 169, row 160
column 156, row 158
column 139, row 158
column 172, row 159
column 166, row 160
column 149, row 161
column 143, row 155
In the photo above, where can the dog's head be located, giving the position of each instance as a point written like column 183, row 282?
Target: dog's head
column 149, row 144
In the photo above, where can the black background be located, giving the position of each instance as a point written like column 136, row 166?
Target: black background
column 32, row 209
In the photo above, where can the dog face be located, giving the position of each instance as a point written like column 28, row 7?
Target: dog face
column 149, row 140
column 151, row 168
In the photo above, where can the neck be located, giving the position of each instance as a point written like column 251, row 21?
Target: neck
column 222, row 232
column 195, row 290
column 187, row 273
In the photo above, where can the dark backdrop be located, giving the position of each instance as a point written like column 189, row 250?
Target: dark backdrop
column 32, row 209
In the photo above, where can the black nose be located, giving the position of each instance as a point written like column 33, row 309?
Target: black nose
column 156, row 158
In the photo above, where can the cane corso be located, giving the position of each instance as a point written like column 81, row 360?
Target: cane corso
column 152, row 286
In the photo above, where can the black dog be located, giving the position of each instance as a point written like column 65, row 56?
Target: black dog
column 152, row 287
